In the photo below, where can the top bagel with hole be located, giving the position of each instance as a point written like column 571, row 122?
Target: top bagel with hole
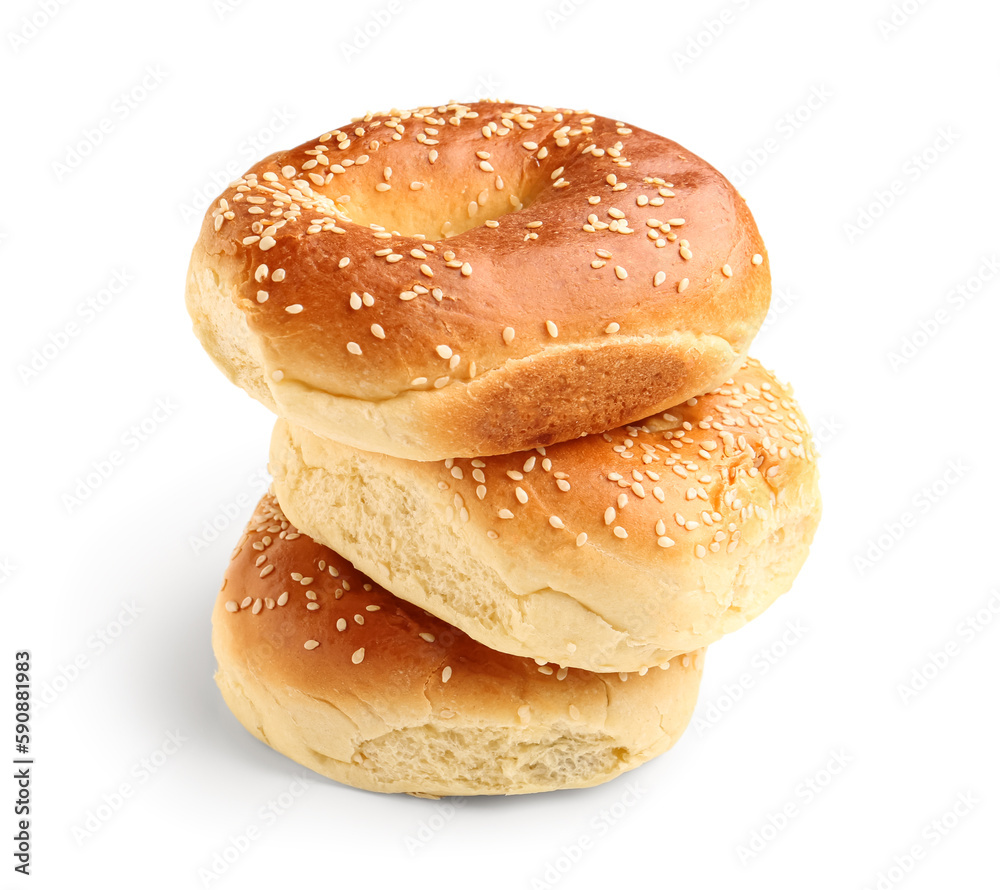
column 466, row 280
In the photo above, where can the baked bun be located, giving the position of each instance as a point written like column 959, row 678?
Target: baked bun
column 325, row 666
column 610, row 553
column 477, row 279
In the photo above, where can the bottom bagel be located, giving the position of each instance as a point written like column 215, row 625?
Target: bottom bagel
column 325, row 666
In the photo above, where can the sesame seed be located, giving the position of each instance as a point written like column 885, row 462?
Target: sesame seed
column 620, row 273
column 521, row 494
column 378, row 331
column 345, row 261
column 505, row 514
column 310, row 644
column 556, row 522
column 659, row 278
column 358, row 656
column 427, row 638
column 267, row 242
column 757, row 259
column 727, row 270
column 446, row 674
column 581, row 539
column 508, row 335
column 550, row 326
column 353, row 348
column 232, row 606
column 609, row 515
column 620, row 532
column 682, row 285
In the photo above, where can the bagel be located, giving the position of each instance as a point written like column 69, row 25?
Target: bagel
column 325, row 666
column 612, row 552
column 469, row 280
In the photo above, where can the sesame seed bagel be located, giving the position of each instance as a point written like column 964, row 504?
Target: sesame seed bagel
column 612, row 552
column 477, row 279
column 328, row 668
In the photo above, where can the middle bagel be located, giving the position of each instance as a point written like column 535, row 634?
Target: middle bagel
column 612, row 552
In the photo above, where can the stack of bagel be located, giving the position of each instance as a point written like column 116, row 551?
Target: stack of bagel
column 524, row 470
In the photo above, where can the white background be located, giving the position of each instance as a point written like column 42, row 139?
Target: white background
column 815, row 111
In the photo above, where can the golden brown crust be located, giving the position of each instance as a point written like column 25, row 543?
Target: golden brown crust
column 325, row 665
column 611, row 552
column 349, row 293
